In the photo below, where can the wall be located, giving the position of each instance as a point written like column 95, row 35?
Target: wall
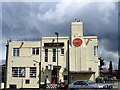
column 24, row 60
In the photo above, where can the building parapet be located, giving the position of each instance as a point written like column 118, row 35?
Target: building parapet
column 27, row 40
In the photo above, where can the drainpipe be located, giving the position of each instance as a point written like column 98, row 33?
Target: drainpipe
column 6, row 64
column 68, row 63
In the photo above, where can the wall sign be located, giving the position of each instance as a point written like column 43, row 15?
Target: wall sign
column 60, row 44
column 77, row 42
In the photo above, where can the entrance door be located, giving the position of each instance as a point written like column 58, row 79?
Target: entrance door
column 54, row 76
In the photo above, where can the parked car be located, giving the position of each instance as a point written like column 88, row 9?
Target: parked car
column 88, row 84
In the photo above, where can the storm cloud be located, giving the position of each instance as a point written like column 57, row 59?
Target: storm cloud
column 33, row 20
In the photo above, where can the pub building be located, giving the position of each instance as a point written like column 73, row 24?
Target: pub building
column 31, row 63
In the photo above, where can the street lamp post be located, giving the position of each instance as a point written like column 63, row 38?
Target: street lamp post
column 57, row 61
column 39, row 71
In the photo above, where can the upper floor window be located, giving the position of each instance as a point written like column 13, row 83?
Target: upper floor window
column 18, row 71
column 32, row 71
column 46, row 55
column 95, row 50
column 54, row 55
column 62, row 51
column 16, row 51
column 35, row 51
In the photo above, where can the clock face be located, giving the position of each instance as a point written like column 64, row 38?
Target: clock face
column 77, row 42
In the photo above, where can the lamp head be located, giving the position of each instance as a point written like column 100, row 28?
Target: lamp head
column 56, row 33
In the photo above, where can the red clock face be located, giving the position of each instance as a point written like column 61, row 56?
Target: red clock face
column 77, row 42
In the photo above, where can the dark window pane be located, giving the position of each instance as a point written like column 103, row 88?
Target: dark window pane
column 54, row 59
column 27, row 81
column 37, row 51
column 15, row 51
column 54, row 55
column 46, row 55
column 65, row 77
column 46, row 59
column 18, row 71
column 32, row 71
column 62, row 51
column 33, row 51
column 77, row 83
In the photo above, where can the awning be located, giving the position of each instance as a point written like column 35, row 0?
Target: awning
column 82, row 72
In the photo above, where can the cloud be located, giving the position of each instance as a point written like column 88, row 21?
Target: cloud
column 109, row 56
column 34, row 20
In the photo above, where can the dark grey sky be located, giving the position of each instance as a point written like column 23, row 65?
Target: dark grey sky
column 36, row 19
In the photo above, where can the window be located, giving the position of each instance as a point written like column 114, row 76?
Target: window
column 32, row 71
column 62, row 51
column 3, row 72
column 18, row 71
column 65, row 77
column 95, row 50
column 35, row 51
column 77, row 83
column 27, row 81
column 80, row 83
column 16, row 51
column 12, row 86
column 46, row 55
column 54, row 55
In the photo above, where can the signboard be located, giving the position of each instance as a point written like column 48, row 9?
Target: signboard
column 50, row 66
column 77, row 42
column 53, row 44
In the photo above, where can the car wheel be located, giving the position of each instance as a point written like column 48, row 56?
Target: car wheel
column 110, row 87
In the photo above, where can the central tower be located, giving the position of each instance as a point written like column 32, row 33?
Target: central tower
column 76, row 30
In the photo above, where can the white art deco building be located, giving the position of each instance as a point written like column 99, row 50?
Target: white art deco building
column 32, row 62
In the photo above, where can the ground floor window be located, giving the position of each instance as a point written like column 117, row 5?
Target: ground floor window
column 12, row 86
column 65, row 77
column 32, row 71
column 18, row 71
column 27, row 81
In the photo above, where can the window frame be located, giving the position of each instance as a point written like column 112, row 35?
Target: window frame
column 62, row 51
column 16, row 52
column 27, row 81
column 35, row 51
column 54, row 55
column 33, row 70
column 95, row 48
column 17, row 71
column 46, row 55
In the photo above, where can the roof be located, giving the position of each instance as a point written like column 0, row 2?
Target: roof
column 106, row 71
column 64, row 37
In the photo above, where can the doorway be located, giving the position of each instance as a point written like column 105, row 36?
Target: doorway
column 54, row 76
